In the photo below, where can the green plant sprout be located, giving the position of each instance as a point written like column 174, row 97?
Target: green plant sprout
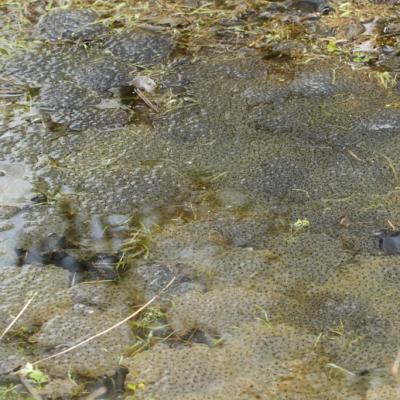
column 264, row 318
column 296, row 228
column 34, row 374
column 332, row 47
column 144, row 328
column 134, row 388
column 362, row 58
column 150, row 317
column 301, row 224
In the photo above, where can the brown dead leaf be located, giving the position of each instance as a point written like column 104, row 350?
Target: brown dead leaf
column 344, row 221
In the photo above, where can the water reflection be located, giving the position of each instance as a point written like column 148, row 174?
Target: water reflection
column 16, row 190
column 89, row 248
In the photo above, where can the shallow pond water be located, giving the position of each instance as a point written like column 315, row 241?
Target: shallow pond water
column 16, row 190
column 257, row 183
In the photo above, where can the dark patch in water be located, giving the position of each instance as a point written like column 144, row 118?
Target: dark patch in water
column 33, row 92
column 59, row 251
column 127, row 95
column 109, row 387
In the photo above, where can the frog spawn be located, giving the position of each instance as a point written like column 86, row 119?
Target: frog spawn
column 72, row 73
column 311, row 270
column 62, row 24
column 65, row 316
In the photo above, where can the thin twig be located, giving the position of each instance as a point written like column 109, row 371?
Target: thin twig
column 18, row 316
column 32, row 391
column 354, row 155
column 395, row 367
column 146, row 100
column 390, row 223
column 110, row 328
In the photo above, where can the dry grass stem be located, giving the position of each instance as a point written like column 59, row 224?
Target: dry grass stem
column 18, row 316
column 396, row 365
column 146, row 100
column 110, row 328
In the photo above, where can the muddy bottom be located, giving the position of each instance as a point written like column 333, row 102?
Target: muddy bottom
column 256, row 183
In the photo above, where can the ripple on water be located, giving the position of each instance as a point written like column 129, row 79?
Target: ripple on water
column 15, row 191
